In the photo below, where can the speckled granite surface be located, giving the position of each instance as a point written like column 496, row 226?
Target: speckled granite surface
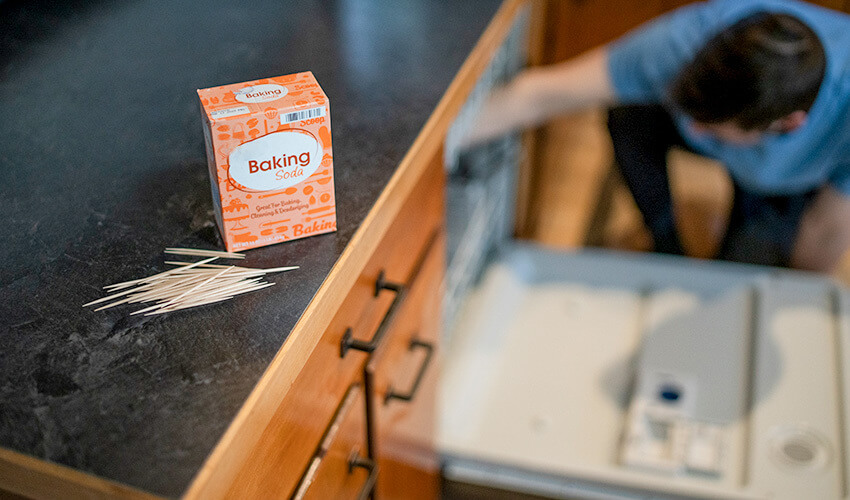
column 102, row 166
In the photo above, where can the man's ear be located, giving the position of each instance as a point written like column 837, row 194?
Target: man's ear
column 790, row 122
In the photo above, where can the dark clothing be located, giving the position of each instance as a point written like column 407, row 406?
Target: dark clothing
column 761, row 228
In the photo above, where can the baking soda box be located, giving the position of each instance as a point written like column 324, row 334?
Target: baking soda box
column 271, row 166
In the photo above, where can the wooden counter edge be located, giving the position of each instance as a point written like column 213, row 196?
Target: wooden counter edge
column 32, row 477
column 223, row 463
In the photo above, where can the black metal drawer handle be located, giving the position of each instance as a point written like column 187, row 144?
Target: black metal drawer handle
column 356, row 461
column 348, row 340
column 407, row 396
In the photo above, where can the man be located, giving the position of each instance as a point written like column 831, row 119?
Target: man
column 761, row 85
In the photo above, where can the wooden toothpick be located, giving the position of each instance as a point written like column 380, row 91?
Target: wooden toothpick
column 191, row 284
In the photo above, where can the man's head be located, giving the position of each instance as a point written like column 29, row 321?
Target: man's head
column 760, row 74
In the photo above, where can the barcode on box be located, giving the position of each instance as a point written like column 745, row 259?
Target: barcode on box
column 304, row 114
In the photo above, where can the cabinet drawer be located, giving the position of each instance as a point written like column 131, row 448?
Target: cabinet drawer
column 401, row 379
column 340, row 467
column 395, row 261
column 282, row 455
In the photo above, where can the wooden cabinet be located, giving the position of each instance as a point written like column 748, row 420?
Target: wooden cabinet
column 402, row 383
column 403, row 279
column 401, row 375
column 340, row 467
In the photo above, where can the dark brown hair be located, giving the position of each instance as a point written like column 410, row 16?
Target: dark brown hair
column 754, row 72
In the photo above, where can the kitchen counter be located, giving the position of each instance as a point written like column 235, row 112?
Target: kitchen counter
column 102, row 166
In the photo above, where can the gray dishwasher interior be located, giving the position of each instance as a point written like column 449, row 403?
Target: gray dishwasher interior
column 611, row 375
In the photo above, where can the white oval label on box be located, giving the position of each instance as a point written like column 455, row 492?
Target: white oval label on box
column 275, row 161
column 260, row 93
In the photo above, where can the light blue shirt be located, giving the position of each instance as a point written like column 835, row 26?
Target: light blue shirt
column 644, row 63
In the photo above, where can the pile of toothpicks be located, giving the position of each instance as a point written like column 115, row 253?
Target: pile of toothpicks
column 189, row 285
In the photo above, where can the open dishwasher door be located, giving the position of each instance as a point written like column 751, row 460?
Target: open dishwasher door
column 609, row 375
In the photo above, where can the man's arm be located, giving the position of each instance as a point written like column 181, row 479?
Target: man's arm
column 824, row 234
column 541, row 93
column 637, row 67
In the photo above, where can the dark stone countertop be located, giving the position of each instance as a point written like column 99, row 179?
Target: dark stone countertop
column 102, row 166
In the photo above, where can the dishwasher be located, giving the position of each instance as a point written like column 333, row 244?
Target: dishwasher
column 602, row 374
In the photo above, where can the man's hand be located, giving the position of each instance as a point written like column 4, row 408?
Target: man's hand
column 539, row 94
column 824, row 234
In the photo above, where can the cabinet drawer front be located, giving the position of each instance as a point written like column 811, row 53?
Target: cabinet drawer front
column 401, row 379
column 283, row 453
column 394, row 261
column 340, row 467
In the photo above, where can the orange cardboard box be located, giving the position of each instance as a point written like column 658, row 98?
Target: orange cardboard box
column 271, row 165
